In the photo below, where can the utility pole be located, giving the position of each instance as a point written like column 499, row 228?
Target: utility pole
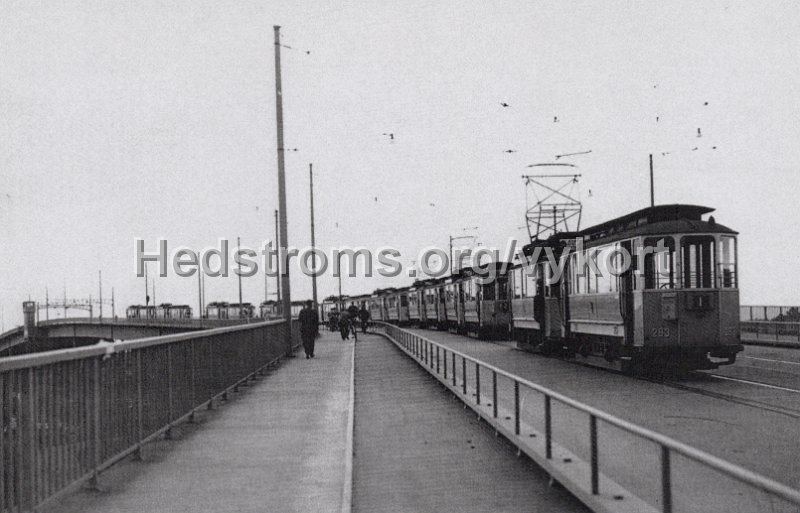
column 313, row 245
column 287, row 306
column 46, row 304
column 146, row 287
column 277, row 264
column 113, row 305
column 100, row 280
column 652, row 194
column 238, row 248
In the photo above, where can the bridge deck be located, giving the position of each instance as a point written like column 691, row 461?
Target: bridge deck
column 277, row 446
column 417, row 449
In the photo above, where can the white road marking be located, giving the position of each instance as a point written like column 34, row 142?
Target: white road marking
column 771, row 360
column 765, row 385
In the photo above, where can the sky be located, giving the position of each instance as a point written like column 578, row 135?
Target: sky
column 148, row 119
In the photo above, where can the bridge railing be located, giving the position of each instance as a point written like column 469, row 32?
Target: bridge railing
column 770, row 324
column 530, row 414
column 67, row 415
column 124, row 321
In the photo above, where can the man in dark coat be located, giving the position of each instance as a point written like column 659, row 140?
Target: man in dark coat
column 309, row 325
column 344, row 325
column 364, row 315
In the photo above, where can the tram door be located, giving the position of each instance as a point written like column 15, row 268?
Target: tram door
column 626, row 286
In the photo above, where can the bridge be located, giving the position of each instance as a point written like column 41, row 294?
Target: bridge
column 401, row 420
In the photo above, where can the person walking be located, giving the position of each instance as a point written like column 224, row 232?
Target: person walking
column 364, row 316
column 344, row 325
column 309, row 326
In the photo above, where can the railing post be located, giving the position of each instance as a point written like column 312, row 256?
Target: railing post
column 95, row 424
column 548, row 432
column 454, row 369
column 27, row 437
column 139, row 406
column 478, row 383
column 494, row 394
column 193, row 378
column 516, row 407
column 593, row 448
column 437, row 359
column 464, row 375
column 170, row 392
column 444, row 357
column 666, row 481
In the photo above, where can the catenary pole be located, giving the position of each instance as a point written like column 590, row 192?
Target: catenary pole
column 285, row 289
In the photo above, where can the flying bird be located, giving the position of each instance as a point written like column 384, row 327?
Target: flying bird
column 555, row 119
column 509, row 151
column 699, row 134
column 713, row 147
column 664, row 153
column 590, row 193
column 504, row 104
column 432, row 204
column 694, row 149
column 376, row 199
column 656, row 119
column 706, row 103
column 391, row 135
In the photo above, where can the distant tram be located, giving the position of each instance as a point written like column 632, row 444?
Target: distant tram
column 224, row 310
column 162, row 311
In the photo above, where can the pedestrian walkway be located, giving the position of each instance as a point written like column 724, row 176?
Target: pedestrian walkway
column 279, row 445
column 417, row 449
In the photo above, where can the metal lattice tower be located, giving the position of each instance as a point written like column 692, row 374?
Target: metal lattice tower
column 556, row 206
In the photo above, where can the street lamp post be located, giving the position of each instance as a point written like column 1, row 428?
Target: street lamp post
column 460, row 237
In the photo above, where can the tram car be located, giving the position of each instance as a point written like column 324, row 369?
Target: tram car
column 429, row 303
column 224, row 310
column 484, row 303
column 376, row 310
column 396, row 306
column 162, row 311
column 141, row 312
column 675, row 308
column 416, row 305
column 268, row 309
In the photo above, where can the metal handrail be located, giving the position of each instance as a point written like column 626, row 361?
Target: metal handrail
column 63, row 355
column 86, row 408
column 667, row 444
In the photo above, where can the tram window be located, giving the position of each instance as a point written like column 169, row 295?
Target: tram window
column 403, row 300
column 518, row 278
column 575, row 281
column 530, row 282
column 604, row 278
column 488, row 291
column 551, row 284
column 502, row 288
column 659, row 268
column 697, row 255
column 726, row 273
